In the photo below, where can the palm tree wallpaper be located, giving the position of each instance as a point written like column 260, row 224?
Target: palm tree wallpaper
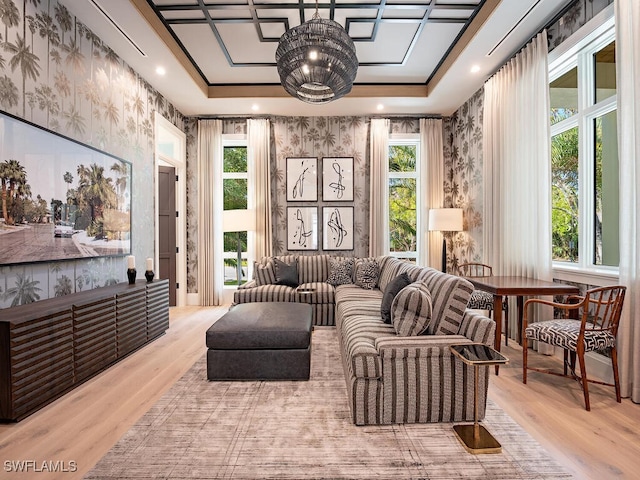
column 56, row 73
column 463, row 179
column 326, row 137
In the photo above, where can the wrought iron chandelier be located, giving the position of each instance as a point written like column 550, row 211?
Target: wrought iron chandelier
column 317, row 60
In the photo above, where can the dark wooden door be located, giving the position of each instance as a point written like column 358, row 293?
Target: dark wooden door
column 167, row 227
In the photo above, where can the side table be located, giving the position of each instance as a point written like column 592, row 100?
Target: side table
column 475, row 437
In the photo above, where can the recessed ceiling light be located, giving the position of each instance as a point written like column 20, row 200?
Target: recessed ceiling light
column 160, row 70
column 475, row 69
column 255, row 107
column 380, row 106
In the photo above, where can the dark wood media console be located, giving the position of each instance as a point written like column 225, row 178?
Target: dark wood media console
column 49, row 347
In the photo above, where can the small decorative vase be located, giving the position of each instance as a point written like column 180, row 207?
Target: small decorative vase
column 131, row 275
column 149, row 275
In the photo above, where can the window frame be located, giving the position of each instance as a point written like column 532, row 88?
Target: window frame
column 578, row 51
column 402, row 139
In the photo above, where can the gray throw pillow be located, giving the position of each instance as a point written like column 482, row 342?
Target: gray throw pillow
column 286, row 274
column 340, row 270
column 367, row 272
column 411, row 310
column 390, row 293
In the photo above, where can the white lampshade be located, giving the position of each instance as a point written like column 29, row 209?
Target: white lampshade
column 238, row 220
column 445, row 219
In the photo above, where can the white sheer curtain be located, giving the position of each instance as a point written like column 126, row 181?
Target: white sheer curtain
column 258, row 150
column 210, row 247
column 517, row 166
column 432, row 183
column 379, row 186
column 628, row 76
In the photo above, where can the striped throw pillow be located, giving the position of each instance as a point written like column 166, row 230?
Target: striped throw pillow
column 264, row 274
column 411, row 310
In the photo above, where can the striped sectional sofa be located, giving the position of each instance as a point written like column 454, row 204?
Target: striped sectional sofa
column 392, row 378
column 313, row 271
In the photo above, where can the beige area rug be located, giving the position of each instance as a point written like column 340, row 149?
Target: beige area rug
column 301, row 430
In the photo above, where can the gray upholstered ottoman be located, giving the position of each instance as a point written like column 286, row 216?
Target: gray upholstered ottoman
column 265, row 340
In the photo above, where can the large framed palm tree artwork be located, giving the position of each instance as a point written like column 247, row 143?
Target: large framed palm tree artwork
column 60, row 199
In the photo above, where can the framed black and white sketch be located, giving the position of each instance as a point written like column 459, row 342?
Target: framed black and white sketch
column 337, row 228
column 302, row 228
column 337, row 179
column 302, row 179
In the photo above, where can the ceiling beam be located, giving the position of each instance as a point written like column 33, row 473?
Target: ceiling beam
column 463, row 42
column 276, row 91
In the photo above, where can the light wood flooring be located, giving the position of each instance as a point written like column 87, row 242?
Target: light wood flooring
column 79, row 428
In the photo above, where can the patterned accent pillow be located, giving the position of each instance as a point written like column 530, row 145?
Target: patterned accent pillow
column 286, row 274
column 264, row 274
column 340, row 270
column 366, row 273
column 390, row 293
column 411, row 310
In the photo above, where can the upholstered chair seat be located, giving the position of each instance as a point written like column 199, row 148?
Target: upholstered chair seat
column 565, row 333
column 481, row 301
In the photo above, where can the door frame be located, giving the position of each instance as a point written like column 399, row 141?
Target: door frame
column 180, row 164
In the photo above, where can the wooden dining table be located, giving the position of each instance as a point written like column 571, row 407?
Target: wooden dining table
column 503, row 286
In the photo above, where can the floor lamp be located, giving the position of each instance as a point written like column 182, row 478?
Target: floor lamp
column 445, row 220
column 239, row 221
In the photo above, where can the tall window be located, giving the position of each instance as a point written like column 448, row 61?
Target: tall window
column 404, row 203
column 235, row 195
column 584, row 153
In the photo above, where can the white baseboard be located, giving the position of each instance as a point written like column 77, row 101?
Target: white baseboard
column 193, row 299
column 598, row 366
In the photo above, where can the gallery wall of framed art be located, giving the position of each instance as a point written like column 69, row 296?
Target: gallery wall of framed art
column 327, row 227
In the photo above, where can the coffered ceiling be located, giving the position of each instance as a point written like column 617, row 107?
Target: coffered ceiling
column 415, row 56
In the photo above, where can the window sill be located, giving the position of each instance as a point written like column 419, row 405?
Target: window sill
column 597, row 277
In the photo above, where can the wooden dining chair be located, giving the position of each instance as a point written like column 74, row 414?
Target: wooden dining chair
column 588, row 323
column 481, row 300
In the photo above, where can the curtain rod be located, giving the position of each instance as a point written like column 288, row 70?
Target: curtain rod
column 269, row 117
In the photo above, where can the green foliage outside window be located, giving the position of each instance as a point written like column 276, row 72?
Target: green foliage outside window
column 235, row 189
column 564, row 192
column 402, row 199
